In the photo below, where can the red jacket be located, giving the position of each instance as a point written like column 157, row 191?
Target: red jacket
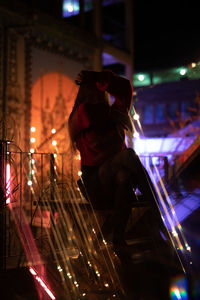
column 96, row 127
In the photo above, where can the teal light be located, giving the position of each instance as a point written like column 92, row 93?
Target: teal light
column 142, row 79
column 70, row 8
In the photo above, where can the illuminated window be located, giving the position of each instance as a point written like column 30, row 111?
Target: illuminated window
column 172, row 110
column 185, row 113
column 71, row 7
column 148, row 114
column 160, row 113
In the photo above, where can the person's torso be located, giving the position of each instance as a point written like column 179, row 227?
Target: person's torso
column 98, row 143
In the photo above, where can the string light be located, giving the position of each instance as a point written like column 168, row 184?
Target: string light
column 33, row 129
column 32, row 150
column 29, row 182
column 79, row 173
column 54, row 143
column 32, row 140
column 53, row 130
column 106, row 285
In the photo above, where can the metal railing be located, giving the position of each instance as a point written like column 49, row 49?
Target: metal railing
column 36, row 185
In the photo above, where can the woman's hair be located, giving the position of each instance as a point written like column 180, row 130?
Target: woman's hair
column 87, row 93
column 90, row 93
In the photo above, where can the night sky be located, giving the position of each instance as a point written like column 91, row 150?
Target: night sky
column 167, row 33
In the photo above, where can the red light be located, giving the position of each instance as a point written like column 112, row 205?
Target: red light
column 41, row 282
column 7, row 184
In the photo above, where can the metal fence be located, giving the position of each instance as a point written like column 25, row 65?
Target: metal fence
column 35, row 184
column 45, row 220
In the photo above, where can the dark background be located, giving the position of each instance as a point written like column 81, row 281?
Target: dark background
column 166, row 33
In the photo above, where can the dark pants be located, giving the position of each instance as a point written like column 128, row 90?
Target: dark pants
column 111, row 187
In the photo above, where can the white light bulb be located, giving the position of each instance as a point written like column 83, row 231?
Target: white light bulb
column 183, row 72
column 69, row 7
column 53, row 130
column 136, row 117
column 140, row 77
column 33, row 129
column 54, row 143
column 32, row 140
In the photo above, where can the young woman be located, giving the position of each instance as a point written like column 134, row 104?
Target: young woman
column 110, row 170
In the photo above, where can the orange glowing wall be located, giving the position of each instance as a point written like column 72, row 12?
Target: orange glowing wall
column 53, row 96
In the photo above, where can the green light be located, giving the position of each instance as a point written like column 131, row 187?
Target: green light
column 183, row 71
column 141, row 77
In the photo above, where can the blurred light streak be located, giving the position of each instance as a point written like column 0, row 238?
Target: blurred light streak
column 8, row 182
column 42, row 283
column 172, row 209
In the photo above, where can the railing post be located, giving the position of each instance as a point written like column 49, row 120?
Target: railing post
column 166, row 169
column 3, row 152
column 52, row 181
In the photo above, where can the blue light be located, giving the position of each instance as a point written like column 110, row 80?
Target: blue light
column 162, row 146
column 70, row 8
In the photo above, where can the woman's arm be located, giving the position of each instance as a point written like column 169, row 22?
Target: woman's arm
column 119, row 87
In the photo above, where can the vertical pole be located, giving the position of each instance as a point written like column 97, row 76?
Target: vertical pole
column 52, row 182
column 4, row 79
column 3, row 151
column 166, row 169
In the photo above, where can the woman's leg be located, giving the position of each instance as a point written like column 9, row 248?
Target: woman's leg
column 129, row 160
column 123, row 202
column 118, row 179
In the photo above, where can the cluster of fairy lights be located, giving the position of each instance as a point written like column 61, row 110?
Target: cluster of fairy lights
column 175, row 226
column 82, row 242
